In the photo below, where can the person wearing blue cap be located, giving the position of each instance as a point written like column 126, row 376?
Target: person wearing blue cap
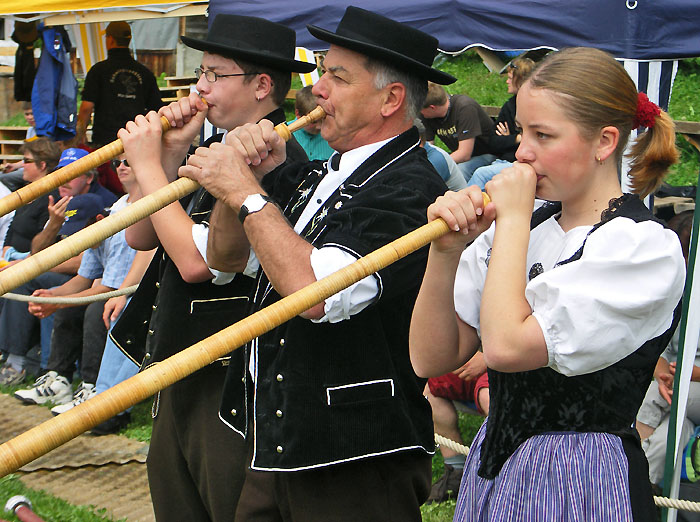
column 18, row 328
column 334, row 415
column 79, row 333
column 83, row 184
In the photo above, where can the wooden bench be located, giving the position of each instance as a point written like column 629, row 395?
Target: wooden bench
column 11, row 139
column 177, row 87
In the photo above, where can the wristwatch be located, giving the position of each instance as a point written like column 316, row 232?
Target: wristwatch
column 252, row 204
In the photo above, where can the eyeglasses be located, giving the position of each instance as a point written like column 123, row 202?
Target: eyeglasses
column 28, row 160
column 211, row 76
column 512, row 66
column 116, row 163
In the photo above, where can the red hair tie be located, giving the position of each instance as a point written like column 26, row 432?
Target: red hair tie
column 647, row 111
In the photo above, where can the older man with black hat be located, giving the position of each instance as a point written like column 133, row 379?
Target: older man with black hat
column 336, row 421
column 195, row 464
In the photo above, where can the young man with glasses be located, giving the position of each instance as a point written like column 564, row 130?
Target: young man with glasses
column 196, row 465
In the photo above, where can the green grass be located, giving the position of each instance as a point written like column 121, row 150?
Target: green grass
column 47, row 506
column 139, row 428
column 684, row 97
column 474, row 79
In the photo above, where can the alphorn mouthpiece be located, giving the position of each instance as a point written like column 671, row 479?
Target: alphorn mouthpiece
column 285, row 131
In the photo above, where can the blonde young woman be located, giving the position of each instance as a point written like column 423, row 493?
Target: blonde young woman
column 572, row 305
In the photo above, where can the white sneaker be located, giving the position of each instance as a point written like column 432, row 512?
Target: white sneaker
column 83, row 393
column 50, row 387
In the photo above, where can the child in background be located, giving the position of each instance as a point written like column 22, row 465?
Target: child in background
column 15, row 181
column 310, row 136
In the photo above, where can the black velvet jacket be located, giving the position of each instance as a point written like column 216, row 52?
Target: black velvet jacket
column 166, row 314
column 330, row 393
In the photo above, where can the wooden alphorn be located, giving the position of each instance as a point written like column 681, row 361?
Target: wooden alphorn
column 42, row 186
column 46, row 259
column 55, row 179
column 41, row 439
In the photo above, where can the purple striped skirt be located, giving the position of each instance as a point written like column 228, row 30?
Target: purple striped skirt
column 551, row 477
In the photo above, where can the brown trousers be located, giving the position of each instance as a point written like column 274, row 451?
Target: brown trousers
column 196, row 464
column 389, row 488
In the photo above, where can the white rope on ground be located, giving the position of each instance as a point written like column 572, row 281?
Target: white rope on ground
column 454, row 446
column 71, row 300
column 684, row 505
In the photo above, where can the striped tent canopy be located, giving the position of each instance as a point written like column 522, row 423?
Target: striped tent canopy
column 76, row 7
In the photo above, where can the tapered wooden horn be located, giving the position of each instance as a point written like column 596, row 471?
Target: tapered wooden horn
column 60, row 429
column 59, row 177
column 46, row 259
column 51, row 181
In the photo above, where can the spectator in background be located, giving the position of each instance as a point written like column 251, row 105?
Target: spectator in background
column 442, row 161
column 79, row 333
column 506, row 135
column 83, row 184
column 40, row 157
column 310, row 136
column 18, row 328
column 462, row 124
column 469, row 384
column 13, row 171
column 654, row 414
column 115, row 366
column 116, row 90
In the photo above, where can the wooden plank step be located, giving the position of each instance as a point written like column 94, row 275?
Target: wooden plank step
column 184, row 81
column 13, row 133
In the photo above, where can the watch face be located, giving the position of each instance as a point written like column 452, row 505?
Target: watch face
column 254, row 203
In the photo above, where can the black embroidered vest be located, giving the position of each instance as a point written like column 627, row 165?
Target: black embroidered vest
column 525, row 404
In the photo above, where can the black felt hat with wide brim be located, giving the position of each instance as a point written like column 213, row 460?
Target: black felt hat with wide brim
column 384, row 39
column 252, row 40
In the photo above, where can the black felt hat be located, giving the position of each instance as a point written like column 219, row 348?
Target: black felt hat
column 384, row 39
column 252, row 40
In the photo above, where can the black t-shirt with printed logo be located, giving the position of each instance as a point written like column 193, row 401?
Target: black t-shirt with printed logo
column 465, row 119
column 121, row 88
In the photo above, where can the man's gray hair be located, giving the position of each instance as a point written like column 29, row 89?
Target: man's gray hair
column 416, row 89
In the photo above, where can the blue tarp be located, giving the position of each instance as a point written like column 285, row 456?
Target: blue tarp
column 628, row 29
